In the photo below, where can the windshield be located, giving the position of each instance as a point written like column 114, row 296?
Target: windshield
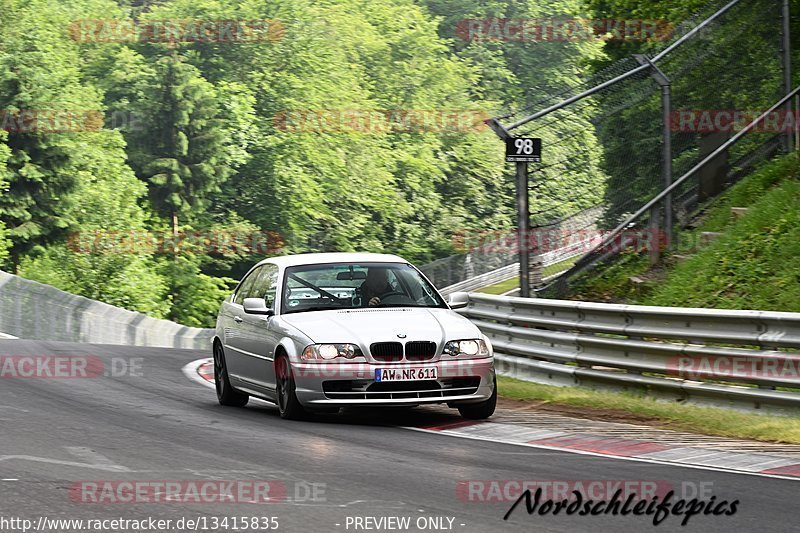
column 351, row 286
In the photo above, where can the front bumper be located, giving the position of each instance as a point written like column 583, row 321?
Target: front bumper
column 343, row 384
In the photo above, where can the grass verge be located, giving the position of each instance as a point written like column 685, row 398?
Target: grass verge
column 677, row 416
column 752, row 265
column 513, row 283
column 502, row 287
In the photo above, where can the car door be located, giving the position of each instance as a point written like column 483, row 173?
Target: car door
column 259, row 335
column 233, row 323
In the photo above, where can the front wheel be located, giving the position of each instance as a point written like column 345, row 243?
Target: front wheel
column 482, row 410
column 225, row 392
column 288, row 404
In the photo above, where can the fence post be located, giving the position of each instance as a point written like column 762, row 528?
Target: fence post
column 469, row 268
column 536, row 271
column 666, row 103
column 797, row 130
column 653, row 241
column 666, row 164
column 786, row 49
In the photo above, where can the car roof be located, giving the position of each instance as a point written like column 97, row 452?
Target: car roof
column 332, row 257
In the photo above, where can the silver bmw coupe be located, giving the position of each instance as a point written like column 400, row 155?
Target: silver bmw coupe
column 317, row 332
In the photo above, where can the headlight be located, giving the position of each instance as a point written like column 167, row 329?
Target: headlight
column 327, row 352
column 470, row 348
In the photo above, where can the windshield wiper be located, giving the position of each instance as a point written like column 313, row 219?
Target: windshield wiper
column 315, row 308
column 405, row 305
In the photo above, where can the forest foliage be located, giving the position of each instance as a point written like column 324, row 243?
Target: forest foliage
column 335, row 125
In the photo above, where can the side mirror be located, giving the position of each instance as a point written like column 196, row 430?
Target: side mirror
column 257, row 306
column 458, row 300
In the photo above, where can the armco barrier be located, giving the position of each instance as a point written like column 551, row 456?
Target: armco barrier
column 724, row 358
column 32, row 310
column 483, row 280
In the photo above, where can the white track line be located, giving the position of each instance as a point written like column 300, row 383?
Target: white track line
column 596, row 454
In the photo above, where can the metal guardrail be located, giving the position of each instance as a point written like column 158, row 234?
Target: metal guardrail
column 483, row 280
column 723, row 358
column 494, row 277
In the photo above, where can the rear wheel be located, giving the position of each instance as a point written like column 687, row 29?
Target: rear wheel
column 482, row 410
column 288, row 404
column 226, row 394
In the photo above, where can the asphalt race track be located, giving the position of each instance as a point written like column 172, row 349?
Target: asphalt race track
column 152, row 423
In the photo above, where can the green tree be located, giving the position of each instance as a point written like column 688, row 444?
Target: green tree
column 109, row 257
column 181, row 152
column 39, row 76
column 363, row 189
column 527, row 75
column 5, row 152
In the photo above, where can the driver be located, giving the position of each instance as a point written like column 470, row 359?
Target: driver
column 375, row 286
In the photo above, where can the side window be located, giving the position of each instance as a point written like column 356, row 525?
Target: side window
column 246, row 286
column 266, row 285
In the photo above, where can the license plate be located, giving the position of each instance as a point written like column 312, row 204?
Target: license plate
column 406, row 373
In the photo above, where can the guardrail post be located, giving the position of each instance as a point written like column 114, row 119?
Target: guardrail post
column 761, row 385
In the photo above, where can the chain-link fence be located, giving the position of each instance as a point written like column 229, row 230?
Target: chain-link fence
column 483, row 261
column 32, row 310
column 604, row 152
column 718, row 79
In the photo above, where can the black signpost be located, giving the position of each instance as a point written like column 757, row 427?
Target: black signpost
column 523, row 151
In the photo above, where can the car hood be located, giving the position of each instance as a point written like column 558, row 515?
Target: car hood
column 365, row 326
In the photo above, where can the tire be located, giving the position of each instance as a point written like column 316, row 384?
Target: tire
column 288, row 404
column 482, row 410
column 226, row 394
